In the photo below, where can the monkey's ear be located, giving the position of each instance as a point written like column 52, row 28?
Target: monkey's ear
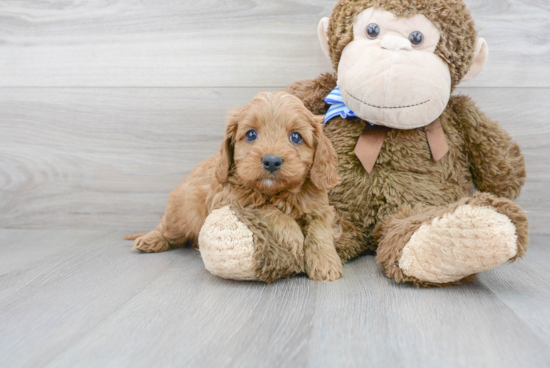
column 324, row 171
column 480, row 58
column 322, row 33
column 226, row 152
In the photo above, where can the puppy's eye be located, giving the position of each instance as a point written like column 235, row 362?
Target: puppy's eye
column 416, row 38
column 373, row 30
column 296, row 138
column 251, row 135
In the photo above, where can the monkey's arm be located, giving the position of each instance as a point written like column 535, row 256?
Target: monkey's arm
column 314, row 91
column 496, row 162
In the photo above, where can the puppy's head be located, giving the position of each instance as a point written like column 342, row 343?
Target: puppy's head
column 275, row 144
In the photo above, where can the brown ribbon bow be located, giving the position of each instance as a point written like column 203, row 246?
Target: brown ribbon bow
column 371, row 140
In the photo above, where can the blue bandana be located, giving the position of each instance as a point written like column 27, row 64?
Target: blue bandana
column 338, row 107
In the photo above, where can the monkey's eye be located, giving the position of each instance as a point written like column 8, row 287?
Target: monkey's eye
column 373, row 30
column 251, row 135
column 416, row 38
column 296, row 138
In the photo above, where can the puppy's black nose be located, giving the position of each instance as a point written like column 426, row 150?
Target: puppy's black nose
column 272, row 163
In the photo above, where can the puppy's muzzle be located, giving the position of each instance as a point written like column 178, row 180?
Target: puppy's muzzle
column 272, row 163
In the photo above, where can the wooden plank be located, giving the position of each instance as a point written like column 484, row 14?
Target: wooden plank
column 68, row 293
column 107, row 305
column 224, row 43
column 524, row 286
column 67, row 299
column 112, row 151
column 23, row 249
column 189, row 318
column 106, row 158
column 29, row 255
column 372, row 321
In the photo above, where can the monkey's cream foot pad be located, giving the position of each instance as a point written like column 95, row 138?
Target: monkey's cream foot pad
column 461, row 243
column 227, row 246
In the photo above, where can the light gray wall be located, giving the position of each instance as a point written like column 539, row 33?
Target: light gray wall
column 105, row 106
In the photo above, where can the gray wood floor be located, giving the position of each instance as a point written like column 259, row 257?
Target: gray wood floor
column 106, row 105
column 85, row 298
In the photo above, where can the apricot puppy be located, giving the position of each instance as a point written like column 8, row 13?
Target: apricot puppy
column 272, row 176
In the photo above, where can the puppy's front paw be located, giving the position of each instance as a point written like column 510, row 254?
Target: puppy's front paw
column 152, row 242
column 324, row 265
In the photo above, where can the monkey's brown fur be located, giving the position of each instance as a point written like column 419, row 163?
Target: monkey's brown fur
column 380, row 211
column 290, row 218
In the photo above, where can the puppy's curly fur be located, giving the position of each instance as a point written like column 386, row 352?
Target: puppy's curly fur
column 236, row 177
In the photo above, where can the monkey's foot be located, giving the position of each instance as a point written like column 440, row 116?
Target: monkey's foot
column 467, row 241
column 227, row 246
column 251, row 244
column 454, row 243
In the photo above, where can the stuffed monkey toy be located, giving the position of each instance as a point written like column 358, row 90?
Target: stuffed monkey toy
column 409, row 151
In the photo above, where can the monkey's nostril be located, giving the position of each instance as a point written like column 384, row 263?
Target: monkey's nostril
column 272, row 163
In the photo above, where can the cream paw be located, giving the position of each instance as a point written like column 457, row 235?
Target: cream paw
column 227, row 246
column 469, row 240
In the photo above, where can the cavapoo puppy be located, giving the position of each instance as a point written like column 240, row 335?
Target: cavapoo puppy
column 271, row 179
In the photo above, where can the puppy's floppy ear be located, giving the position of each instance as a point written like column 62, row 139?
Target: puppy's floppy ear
column 226, row 152
column 324, row 171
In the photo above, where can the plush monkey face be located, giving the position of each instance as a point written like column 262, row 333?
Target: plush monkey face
column 390, row 74
column 387, row 79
